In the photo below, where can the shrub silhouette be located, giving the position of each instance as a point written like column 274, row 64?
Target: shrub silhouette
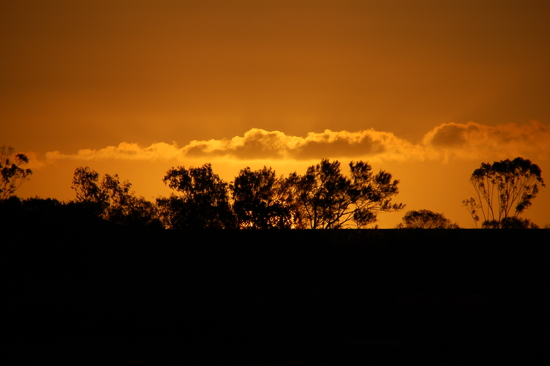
column 426, row 219
column 510, row 223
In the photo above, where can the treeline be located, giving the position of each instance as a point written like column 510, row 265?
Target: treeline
column 322, row 198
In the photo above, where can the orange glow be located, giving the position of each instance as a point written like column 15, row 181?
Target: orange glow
column 424, row 90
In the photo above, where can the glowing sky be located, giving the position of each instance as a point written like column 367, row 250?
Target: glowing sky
column 426, row 90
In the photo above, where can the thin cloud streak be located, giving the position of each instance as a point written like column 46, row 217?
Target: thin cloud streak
column 448, row 141
column 124, row 151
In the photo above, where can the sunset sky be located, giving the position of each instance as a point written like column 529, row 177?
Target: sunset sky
column 426, row 90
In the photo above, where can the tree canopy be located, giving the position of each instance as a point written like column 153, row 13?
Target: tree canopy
column 261, row 200
column 503, row 189
column 111, row 199
column 202, row 202
column 331, row 200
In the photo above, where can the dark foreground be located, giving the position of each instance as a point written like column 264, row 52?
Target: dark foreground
column 473, row 297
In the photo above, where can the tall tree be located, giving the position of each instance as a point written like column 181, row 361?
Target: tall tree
column 503, row 189
column 261, row 200
column 12, row 175
column 330, row 200
column 202, row 203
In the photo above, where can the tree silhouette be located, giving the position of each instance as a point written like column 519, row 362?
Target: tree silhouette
column 330, row 200
column 11, row 173
column 111, row 199
column 203, row 202
column 89, row 192
column 263, row 201
column 426, row 219
column 503, row 189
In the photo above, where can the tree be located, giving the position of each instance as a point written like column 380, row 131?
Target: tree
column 503, row 189
column 263, row 201
column 330, row 200
column 426, row 219
column 203, row 202
column 112, row 200
column 12, row 175
column 89, row 191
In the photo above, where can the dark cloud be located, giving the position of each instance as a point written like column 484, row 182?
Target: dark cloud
column 450, row 135
column 261, row 144
column 337, row 147
column 256, row 144
column 473, row 140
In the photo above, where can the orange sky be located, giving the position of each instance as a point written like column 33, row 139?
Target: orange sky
column 426, row 90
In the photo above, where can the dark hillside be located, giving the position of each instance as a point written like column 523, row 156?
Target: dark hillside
column 278, row 297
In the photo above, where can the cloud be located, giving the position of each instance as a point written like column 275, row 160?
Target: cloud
column 444, row 142
column 258, row 144
column 474, row 141
column 255, row 144
column 124, row 151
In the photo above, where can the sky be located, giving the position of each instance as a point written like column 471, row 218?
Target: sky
column 426, row 90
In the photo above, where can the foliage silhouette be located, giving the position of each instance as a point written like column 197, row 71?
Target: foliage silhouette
column 263, row 201
column 503, row 189
column 330, row 200
column 112, row 200
column 11, row 174
column 203, row 202
column 426, row 219
column 510, row 223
